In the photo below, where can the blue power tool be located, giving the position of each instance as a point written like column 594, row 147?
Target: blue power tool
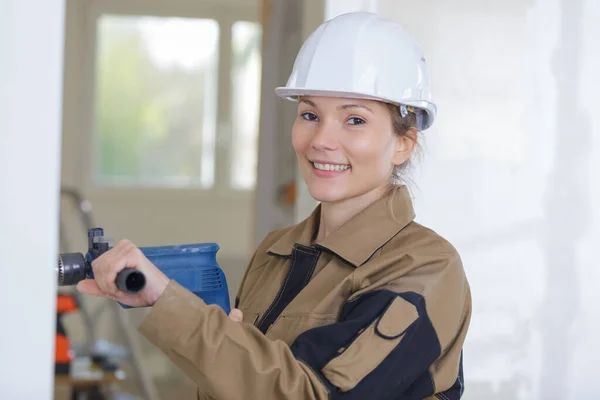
column 193, row 266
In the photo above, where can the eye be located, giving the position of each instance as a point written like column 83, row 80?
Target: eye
column 356, row 121
column 309, row 116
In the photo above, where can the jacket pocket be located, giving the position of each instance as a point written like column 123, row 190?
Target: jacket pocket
column 371, row 345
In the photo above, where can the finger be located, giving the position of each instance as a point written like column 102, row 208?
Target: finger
column 101, row 267
column 111, row 263
column 116, row 262
column 236, row 315
column 114, row 254
column 91, row 288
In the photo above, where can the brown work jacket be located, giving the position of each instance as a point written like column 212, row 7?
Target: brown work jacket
column 379, row 309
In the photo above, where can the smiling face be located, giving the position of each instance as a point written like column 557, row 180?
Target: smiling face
column 347, row 148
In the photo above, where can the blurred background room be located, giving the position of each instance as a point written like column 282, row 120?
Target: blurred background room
column 158, row 121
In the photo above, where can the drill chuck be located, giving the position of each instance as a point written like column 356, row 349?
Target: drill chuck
column 72, row 268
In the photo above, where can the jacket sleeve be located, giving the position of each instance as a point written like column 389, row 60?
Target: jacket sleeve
column 381, row 347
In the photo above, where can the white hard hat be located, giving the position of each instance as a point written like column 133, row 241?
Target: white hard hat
column 361, row 55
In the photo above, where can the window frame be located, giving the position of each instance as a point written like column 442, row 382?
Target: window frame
column 226, row 13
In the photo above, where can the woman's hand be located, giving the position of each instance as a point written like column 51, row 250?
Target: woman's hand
column 236, row 315
column 106, row 267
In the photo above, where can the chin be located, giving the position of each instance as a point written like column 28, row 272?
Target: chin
column 326, row 194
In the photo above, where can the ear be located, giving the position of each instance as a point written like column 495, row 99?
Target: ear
column 405, row 145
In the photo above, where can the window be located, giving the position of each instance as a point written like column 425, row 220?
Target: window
column 156, row 96
column 245, row 102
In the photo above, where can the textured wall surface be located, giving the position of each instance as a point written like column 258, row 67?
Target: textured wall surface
column 510, row 174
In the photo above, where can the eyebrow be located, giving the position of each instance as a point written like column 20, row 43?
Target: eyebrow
column 347, row 106
column 343, row 107
column 310, row 103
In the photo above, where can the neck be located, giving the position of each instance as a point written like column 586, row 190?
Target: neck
column 336, row 214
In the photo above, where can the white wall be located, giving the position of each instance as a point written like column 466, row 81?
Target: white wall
column 511, row 176
column 31, row 47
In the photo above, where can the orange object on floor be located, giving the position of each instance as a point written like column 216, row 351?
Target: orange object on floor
column 62, row 353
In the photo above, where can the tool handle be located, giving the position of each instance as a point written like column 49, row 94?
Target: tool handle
column 130, row 281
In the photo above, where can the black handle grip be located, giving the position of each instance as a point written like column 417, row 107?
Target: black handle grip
column 130, row 281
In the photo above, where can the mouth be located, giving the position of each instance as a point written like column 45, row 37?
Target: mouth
column 329, row 167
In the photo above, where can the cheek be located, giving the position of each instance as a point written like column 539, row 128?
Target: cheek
column 300, row 139
column 387, row 152
column 369, row 151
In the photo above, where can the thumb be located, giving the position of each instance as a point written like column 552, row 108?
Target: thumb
column 90, row 287
column 236, row 315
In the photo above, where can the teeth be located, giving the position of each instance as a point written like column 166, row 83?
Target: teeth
column 331, row 167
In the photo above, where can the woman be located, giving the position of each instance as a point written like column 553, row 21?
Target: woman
column 358, row 301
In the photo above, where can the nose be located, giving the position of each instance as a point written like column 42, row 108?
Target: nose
column 325, row 137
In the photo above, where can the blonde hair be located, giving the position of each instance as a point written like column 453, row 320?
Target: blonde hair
column 402, row 126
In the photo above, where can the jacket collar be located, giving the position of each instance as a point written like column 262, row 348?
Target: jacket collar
column 359, row 238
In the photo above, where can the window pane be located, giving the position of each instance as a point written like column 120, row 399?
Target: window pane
column 245, row 100
column 156, row 101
